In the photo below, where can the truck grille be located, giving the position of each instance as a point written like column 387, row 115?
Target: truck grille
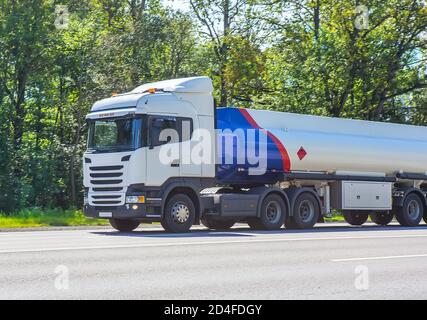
column 106, row 186
column 106, row 168
column 107, row 189
column 109, row 182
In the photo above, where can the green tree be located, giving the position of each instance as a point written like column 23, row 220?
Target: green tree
column 324, row 63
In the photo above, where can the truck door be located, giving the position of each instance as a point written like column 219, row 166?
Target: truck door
column 161, row 149
column 168, row 154
column 189, row 166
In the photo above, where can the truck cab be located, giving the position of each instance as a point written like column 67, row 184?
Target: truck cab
column 127, row 179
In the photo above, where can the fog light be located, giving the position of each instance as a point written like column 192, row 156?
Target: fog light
column 134, row 207
column 135, row 199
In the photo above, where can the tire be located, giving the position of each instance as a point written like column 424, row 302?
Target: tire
column 272, row 214
column 124, row 225
column 356, row 218
column 412, row 211
column 215, row 224
column 179, row 214
column 381, row 218
column 306, row 212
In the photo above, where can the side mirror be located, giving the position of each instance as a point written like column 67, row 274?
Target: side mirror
column 83, row 127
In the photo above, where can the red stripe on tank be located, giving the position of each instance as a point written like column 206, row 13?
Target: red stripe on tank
column 286, row 161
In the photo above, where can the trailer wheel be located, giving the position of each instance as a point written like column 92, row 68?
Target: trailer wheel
column 179, row 214
column 412, row 211
column 124, row 225
column 215, row 224
column 306, row 212
column 272, row 216
column 355, row 218
column 382, row 218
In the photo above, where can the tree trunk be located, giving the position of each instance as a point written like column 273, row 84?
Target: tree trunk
column 18, row 123
column 73, row 159
column 224, row 53
column 316, row 19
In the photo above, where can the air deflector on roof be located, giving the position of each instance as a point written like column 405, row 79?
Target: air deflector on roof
column 184, row 85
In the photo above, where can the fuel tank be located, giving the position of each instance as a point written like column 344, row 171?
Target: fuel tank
column 288, row 142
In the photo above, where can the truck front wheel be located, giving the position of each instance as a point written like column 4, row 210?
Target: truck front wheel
column 124, row 225
column 355, row 218
column 381, row 218
column 179, row 214
column 272, row 215
column 215, row 224
column 412, row 211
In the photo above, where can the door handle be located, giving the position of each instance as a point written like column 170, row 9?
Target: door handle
column 175, row 164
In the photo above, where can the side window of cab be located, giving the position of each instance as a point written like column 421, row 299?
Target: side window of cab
column 168, row 129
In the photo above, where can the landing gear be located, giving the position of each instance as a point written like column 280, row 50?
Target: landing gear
column 124, row 225
column 355, row 218
column 272, row 215
column 381, row 218
column 179, row 214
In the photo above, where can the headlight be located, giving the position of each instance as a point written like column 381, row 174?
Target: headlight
column 135, row 199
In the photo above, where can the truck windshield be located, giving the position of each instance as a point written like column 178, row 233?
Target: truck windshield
column 113, row 135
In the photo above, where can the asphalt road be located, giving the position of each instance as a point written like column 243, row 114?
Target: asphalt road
column 330, row 262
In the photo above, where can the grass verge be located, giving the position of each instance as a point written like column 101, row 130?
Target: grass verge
column 334, row 218
column 35, row 217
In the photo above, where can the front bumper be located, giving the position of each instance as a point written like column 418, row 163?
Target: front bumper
column 123, row 212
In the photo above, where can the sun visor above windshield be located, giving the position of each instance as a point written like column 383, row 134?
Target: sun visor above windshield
column 184, row 85
column 117, row 102
column 116, row 113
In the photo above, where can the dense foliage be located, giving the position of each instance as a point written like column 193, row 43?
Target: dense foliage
column 348, row 58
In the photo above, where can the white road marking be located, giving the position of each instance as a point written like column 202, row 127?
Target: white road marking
column 381, row 258
column 192, row 243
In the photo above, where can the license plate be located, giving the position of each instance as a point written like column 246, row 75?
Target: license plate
column 105, row 214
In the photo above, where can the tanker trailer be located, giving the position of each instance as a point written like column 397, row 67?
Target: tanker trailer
column 268, row 168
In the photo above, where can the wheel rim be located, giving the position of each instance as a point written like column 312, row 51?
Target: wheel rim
column 413, row 209
column 273, row 211
column 306, row 210
column 180, row 212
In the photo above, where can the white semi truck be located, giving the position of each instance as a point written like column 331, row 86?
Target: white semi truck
column 164, row 153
